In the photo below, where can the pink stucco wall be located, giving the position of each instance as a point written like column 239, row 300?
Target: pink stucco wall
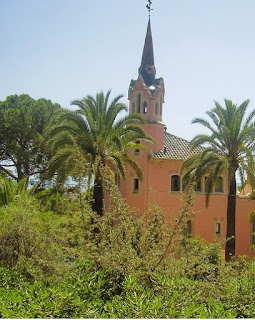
column 157, row 176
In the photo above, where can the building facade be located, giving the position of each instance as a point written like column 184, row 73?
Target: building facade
column 161, row 169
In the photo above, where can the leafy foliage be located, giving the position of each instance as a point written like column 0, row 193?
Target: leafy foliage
column 52, row 264
column 227, row 149
column 92, row 293
column 96, row 136
column 59, row 259
column 9, row 189
column 24, row 124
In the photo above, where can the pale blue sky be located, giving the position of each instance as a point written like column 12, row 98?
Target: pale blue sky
column 65, row 49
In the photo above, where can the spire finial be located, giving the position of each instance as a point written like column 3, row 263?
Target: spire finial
column 148, row 6
column 147, row 69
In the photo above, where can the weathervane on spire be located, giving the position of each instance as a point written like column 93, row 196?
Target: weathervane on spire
column 148, row 6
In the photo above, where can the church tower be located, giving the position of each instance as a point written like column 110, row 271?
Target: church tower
column 146, row 94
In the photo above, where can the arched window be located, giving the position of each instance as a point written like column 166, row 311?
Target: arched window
column 139, row 103
column 156, row 108
column 219, row 185
column 133, row 107
column 145, row 107
column 175, row 183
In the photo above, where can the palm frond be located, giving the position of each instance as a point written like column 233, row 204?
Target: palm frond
column 7, row 191
column 131, row 162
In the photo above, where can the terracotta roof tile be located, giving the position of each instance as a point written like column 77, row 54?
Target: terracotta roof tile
column 175, row 148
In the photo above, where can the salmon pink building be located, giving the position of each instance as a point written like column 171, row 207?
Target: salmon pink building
column 161, row 169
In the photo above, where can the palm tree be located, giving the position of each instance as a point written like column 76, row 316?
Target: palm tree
column 9, row 189
column 96, row 136
column 226, row 150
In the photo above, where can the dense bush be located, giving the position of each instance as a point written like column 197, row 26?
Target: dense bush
column 98, row 293
column 59, row 260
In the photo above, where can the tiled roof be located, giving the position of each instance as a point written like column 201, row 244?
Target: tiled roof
column 175, row 148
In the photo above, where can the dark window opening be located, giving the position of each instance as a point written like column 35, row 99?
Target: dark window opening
column 136, row 186
column 139, row 103
column 218, row 228
column 175, row 183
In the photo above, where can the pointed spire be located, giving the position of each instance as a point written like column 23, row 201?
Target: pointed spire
column 147, row 69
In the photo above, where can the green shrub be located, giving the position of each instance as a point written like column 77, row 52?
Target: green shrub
column 54, row 265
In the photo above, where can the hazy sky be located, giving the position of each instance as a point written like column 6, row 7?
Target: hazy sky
column 65, row 49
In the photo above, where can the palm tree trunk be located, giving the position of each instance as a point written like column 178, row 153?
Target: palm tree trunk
column 97, row 204
column 230, row 249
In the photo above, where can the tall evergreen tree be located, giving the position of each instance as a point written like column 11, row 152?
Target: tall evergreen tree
column 24, row 124
column 227, row 149
column 98, row 136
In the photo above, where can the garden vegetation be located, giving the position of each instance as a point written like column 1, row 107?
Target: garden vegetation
column 59, row 258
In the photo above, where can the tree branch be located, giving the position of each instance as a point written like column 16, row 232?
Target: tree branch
column 188, row 201
column 9, row 173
